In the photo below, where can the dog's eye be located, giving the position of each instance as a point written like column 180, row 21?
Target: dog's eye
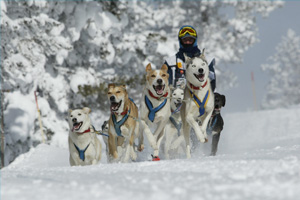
column 164, row 75
column 109, row 93
column 71, row 116
column 182, row 94
column 118, row 92
column 79, row 114
column 153, row 76
column 203, row 64
column 193, row 65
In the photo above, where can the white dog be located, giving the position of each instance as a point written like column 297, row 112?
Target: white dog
column 155, row 107
column 174, row 136
column 84, row 146
column 198, row 100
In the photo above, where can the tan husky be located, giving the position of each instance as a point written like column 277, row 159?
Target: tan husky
column 123, row 124
column 199, row 100
column 155, row 106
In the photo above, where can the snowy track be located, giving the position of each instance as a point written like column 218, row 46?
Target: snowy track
column 252, row 172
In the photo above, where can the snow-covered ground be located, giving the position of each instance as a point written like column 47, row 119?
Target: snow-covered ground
column 258, row 158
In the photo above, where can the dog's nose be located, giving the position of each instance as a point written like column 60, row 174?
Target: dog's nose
column 200, row 71
column 74, row 120
column 159, row 81
column 112, row 98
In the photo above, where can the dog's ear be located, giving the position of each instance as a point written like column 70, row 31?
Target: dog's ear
column 202, row 55
column 111, row 85
column 224, row 100
column 182, row 86
column 123, row 87
column 164, row 68
column 148, row 68
column 187, row 59
column 86, row 110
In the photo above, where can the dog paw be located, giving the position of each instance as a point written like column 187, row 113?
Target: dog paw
column 115, row 155
column 141, row 148
column 203, row 140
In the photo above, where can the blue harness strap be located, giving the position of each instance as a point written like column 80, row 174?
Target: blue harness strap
column 81, row 152
column 177, row 125
column 210, row 128
column 118, row 124
column 152, row 110
column 201, row 105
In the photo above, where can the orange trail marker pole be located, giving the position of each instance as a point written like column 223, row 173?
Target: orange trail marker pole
column 39, row 115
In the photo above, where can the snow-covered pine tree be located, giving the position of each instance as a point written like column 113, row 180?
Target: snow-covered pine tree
column 27, row 44
column 284, row 70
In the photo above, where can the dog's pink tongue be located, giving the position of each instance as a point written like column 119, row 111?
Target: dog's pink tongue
column 159, row 90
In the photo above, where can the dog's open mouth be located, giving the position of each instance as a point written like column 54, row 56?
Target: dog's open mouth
column 200, row 77
column 114, row 106
column 178, row 104
column 77, row 126
column 159, row 89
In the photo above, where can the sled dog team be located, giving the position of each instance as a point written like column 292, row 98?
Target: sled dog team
column 165, row 112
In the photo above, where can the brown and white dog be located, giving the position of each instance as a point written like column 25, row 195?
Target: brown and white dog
column 123, row 126
column 84, row 146
column 198, row 100
column 155, row 107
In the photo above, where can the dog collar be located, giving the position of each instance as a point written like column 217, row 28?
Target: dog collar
column 122, row 113
column 158, row 98
column 197, row 88
column 86, row 131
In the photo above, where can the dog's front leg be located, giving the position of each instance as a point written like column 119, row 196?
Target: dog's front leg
column 214, row 144
column 194, row 124
column 149, row 134
column 112, row 146
column 205, row 124
column 127, row 151
column 159, row 135
column 186, row 133
column 169, row 137
column 140, row 136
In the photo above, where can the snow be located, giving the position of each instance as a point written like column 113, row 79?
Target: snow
column 258, row 158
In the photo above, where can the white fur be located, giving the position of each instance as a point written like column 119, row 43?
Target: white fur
column 161, row 117
column 174, row 141
column 190, row 111
column 93, row 152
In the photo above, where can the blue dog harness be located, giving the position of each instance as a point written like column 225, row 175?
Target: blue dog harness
column 152, row 110
column 177, row 125
column 212, row 124
column 118, row 124
column 81, row 152
column 200, row 105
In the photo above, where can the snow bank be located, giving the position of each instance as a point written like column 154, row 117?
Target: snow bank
column 258, row 159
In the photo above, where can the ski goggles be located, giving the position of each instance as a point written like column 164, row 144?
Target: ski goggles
column 187, row 30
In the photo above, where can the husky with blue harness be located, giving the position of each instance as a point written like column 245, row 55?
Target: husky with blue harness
column 155, row 107
column 123, row 125
column 198, row 100
column 84, row 146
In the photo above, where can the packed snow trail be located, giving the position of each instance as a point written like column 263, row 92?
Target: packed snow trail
column 244, row 168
